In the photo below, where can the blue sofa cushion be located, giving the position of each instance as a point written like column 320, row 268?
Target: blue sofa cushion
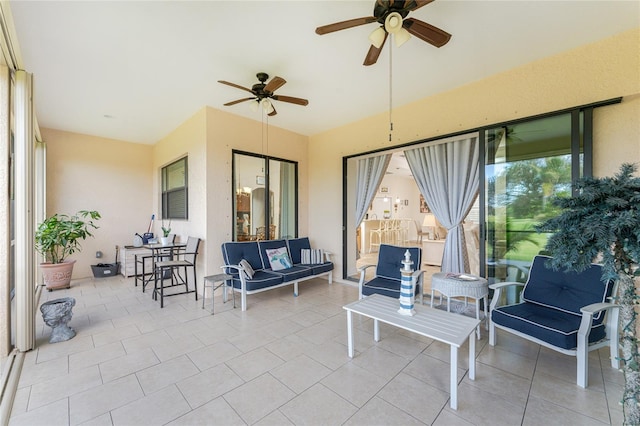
column 295, row 246
column 234, row 252
column 321, row 268
column 566, row 291
column 547, row 324
column 261, row 279
column 390, row 261
column 294, row 273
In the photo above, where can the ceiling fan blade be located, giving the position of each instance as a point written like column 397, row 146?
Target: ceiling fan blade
column 238, row 101
column 291, row 100
column 275, row 83
column 374, row 52
column 416, row 4
column 325, row 29
column 427, row 32
column 274, row 112
column 234, row 85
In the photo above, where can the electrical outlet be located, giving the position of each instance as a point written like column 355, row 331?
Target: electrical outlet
column 98, row 254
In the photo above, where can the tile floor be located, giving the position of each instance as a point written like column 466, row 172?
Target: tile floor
column 284, row 361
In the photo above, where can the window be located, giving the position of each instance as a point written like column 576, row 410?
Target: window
column 175, row 199
column 264, row 184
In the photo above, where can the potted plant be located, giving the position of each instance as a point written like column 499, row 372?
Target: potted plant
column 602, row 222
column 164, row 240
column 58, row 237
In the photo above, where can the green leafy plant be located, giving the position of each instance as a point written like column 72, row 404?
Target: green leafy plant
column 602, row 222
column 166, row 230
column 59, row 235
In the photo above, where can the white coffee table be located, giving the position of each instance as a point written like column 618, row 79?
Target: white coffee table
column 450, row 286
column 439, row 325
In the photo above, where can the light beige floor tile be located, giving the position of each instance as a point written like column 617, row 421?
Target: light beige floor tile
column 483, row 408
column 43, row 371
column 381, row 362
column 146, row 340
column 47, row 352
column 330, row 354
column 253, row 364
column 155, row 409
column 564, row 367
column 167, row 373
column 115, row 335
column 432, row 371
column 56, row 413
column 208, row 385
column 414, row 397
column 175, row 347
column 448, row 418
column 95, row 402
column 216, row 412
column 507, row 361
column 354, row 383
column 300, row 373
column 503, row 385
column 289, row 347
column 103, row 420
column 250, row 340
column 318, row 405
column 212, row 355
column 275, row 418
column 378, row 411
column 541, row 412
column 20, row 401
column 266, row 389
column 95, row 356
column 586, row 401
column 127, row 364
column 43, row 393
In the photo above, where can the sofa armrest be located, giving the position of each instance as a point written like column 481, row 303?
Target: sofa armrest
column 363, row 272
column 594, row 308
column 327, row 256
column 498, row 287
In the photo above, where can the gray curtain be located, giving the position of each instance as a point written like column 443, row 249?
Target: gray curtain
column 370, row 172
column 447, row 175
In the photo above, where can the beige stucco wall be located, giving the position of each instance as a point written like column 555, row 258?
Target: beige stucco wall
column 208, row 138
column 90, row 173
column 607, row 69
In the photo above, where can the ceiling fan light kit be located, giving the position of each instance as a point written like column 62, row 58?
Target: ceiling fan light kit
column 263, row 94
column 392, row 16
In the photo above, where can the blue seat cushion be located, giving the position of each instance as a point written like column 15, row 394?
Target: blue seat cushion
column 384, row 286
column 261, row 279
column 550, row 325
column 292, row 274
column 566, row 291
column 321, row 268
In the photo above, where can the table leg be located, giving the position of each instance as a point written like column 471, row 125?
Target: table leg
column 349, row 335
column 432, row 296
column 478, row 317
column 472, row 356
column 454, row 377
column 376, row 330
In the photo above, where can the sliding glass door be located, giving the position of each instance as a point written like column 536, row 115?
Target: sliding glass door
column 265, row 205
column 526, row 164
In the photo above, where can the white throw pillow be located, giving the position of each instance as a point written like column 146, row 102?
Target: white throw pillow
column 246, row 268
column 279, row 258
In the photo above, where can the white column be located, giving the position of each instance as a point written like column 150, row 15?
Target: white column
column 24, row 215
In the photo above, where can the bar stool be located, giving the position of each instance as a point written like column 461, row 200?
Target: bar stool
column 210, row 281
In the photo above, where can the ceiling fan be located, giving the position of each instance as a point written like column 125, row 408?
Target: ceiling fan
column 263, row 93
column 392, row 15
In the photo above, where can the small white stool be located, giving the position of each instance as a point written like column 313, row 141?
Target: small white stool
column 210, row 281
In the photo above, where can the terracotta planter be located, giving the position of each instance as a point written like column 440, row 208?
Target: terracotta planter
column 57, row 275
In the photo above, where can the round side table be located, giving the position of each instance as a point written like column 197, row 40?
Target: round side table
column 452, row 285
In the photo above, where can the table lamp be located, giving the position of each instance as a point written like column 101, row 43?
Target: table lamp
column 430, row 222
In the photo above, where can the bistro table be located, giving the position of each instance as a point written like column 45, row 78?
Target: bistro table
column 462, row 285
column 158, row 252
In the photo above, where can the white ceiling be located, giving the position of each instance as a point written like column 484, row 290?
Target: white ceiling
column 135, row 70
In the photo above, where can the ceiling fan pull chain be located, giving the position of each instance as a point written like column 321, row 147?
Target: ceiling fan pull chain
column 390, row 90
